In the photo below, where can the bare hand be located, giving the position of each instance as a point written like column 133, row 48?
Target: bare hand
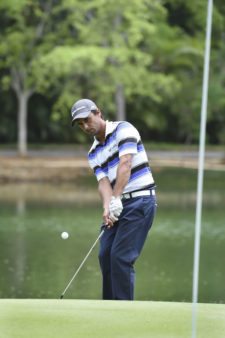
column 106, row 219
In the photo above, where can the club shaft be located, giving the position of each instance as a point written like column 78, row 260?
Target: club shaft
column 82, row 263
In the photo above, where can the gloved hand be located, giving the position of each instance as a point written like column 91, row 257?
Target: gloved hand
column 113, row 218
column 115, row 208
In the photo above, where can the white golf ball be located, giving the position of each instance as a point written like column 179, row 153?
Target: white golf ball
column 64, row 235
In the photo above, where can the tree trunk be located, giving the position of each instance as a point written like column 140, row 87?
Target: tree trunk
column 23, row 97
column 120, row 103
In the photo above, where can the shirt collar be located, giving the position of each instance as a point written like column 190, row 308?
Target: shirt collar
column 107, row 130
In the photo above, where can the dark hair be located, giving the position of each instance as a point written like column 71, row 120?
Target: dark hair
column 96, row 111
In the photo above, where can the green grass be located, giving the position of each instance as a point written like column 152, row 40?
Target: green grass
column 107, row 319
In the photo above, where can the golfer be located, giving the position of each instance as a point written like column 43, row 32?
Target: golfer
column 127, row 189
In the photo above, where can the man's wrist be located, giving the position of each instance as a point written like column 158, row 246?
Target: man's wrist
column 115, row 196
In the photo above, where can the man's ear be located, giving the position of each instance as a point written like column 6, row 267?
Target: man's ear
column 99, row 113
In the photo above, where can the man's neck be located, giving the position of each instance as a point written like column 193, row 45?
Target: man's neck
column 101, row 135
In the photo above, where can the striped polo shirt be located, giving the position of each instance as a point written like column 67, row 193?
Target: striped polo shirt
column 121, row 138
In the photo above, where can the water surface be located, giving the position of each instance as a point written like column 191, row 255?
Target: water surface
column 37, row 263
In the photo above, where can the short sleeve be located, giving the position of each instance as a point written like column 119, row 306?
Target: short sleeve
column 97, row 169
column 127, row 138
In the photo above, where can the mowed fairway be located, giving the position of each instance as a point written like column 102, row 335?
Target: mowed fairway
column 107, row 319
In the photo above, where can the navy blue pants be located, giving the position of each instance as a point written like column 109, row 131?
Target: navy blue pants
column 121, row 245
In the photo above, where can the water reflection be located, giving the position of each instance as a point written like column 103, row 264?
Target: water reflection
column 37, row 263
column 74, row 193
column 20, row 205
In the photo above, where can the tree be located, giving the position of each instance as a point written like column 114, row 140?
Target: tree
column 30, row 30
column 140, row 56
column 190, row 17
column 113, row 60
column 18, row 39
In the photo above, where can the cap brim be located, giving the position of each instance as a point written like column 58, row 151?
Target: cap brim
column 80, row 116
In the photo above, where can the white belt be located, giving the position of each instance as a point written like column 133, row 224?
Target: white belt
column 138, row 194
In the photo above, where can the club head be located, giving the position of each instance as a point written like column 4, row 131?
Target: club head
column 82, row 263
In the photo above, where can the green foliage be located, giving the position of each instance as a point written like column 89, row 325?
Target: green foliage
column 69, row 49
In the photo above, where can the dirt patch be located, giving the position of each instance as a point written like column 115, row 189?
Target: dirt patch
column 15, row 169
column 63, row 169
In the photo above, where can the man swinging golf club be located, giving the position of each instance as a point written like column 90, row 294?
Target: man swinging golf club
column 127, row 190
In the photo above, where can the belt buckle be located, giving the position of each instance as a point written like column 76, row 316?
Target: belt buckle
column 126, row 196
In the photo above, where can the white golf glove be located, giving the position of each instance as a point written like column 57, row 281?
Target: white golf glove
column 113, row 218
column 115, row 208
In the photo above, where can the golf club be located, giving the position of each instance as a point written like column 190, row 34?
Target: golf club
column 82, row 263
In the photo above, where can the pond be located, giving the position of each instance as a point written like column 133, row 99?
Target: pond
column 37, row 263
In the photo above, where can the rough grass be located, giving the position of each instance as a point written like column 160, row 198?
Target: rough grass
column 107, row 319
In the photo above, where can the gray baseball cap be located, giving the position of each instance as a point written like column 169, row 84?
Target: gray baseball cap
column 82, row 108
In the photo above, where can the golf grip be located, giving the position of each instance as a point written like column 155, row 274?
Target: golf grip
column 82, row 263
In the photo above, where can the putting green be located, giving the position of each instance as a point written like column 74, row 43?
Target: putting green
column 107, row 319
